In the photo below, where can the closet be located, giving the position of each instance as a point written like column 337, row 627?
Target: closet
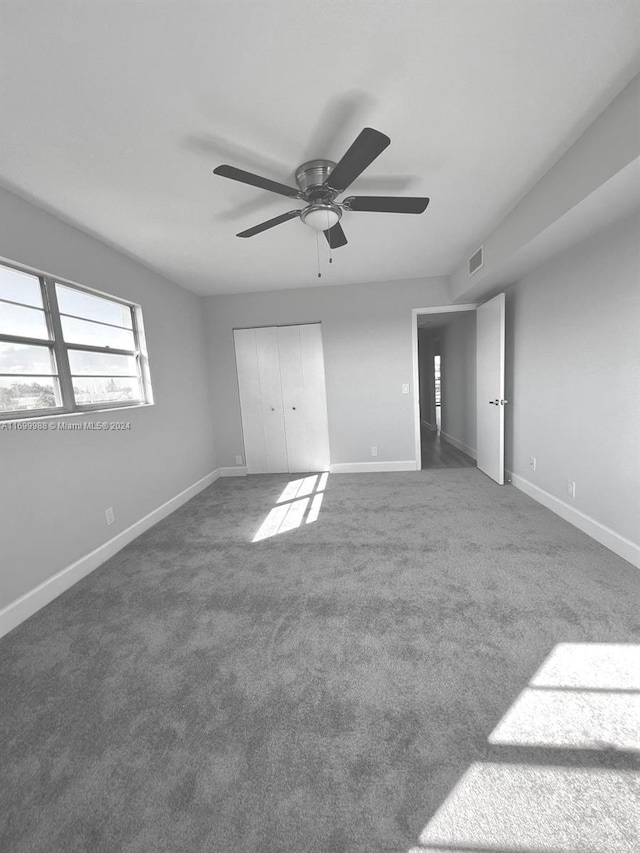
column 283, row 398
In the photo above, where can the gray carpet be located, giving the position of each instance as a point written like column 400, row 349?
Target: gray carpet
column 335, row 688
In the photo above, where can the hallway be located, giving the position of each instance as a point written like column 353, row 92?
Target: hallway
column 438, row 453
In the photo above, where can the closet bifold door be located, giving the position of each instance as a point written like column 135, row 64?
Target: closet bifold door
column 260, row 387
column 304, row 397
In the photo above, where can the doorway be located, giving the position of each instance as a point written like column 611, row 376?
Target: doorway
column 446, row 362
column 489, row 320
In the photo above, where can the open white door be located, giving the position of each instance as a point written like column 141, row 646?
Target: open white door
column 490, row 387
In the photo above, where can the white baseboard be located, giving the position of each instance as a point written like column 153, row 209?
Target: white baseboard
column 470, row 451
column 233, row 471
column 372, row 467
column 432, row 427
column 29, row 603
column 624, row 548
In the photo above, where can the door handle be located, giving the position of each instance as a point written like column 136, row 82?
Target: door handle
column 497, row 402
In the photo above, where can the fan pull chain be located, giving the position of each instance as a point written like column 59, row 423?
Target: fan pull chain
column 318, row 252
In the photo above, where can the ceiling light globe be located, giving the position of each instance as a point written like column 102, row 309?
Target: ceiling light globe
column 321, row 217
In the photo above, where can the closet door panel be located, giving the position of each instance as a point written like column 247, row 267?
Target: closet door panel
column 283, row 398
column 271, row 400
column 315, row 397
column 250, row 400
column 293, row 398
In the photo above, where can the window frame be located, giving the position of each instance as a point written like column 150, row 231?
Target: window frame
column 60, row 350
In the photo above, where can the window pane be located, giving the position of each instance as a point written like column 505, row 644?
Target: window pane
column 112, row 389
column 22, row 358
column 71, row 301
column 27, row 322
column 37, row 392
column 95, row 334
column 102, row 363
column 20, row 287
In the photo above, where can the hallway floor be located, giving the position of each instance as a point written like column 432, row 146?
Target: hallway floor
column 439, row 453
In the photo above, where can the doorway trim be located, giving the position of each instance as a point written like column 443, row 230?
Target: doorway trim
column 415, row 312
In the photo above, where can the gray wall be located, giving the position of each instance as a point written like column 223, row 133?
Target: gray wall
column 458, row 368
column 56, row 485
column 573, row 377
column 366, row 332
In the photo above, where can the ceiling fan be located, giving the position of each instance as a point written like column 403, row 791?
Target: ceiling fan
column 320, row 181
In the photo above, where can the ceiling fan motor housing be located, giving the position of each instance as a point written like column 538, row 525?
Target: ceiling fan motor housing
column 311, row 176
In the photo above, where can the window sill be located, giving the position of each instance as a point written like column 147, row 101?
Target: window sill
column 86, row 413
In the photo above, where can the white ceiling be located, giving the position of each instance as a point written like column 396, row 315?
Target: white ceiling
column 115, row 114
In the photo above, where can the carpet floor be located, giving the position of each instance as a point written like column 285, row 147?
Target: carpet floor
column 417, row 661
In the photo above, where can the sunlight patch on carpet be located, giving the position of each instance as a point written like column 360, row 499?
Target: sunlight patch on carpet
column 591, row 666
column 539, row 808
column 298, row 489
column 314, row 511
column 584, row 697
column 291, row 506
column 573, row 719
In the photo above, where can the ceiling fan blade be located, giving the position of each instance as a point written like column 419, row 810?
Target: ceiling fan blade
column 255, row 181
column 368, row 145
column 270, row 223
column 336, row 236
column 386, row 204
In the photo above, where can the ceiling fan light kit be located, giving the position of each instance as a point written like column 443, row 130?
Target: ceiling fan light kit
column 320, row 181
column 320, row 216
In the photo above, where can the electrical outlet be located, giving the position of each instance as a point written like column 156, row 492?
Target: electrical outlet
column 238, row 460
column 532, row 463
column 109, row 515
column 405, row 389
column 374, row 449
column 571, row 488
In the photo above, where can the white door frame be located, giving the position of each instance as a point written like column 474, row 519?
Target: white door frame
column 440, row 309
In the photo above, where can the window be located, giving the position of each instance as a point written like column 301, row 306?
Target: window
column 66, row 349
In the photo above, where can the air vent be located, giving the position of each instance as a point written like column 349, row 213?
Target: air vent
column 475, row 261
